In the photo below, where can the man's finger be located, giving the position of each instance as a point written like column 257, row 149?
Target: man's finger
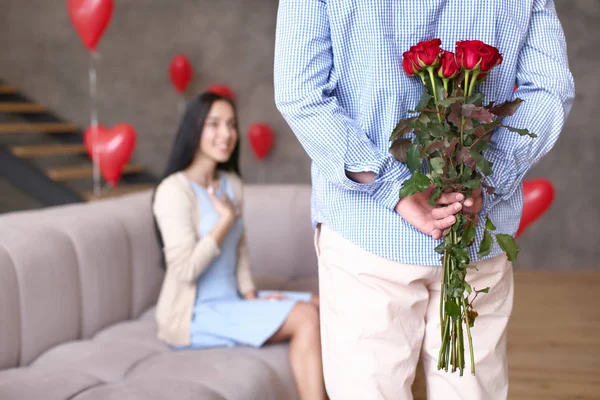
column 444, row 223
column 443, row 212
column 448, row 198
column 436, row 234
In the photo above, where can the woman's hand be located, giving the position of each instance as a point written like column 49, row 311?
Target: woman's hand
column 228, row 213
column 274, row 296
column 251, row 295
column 224, row 206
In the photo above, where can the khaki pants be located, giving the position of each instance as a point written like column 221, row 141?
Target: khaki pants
column 378, row 317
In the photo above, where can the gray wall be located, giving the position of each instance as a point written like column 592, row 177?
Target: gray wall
column 231, row 41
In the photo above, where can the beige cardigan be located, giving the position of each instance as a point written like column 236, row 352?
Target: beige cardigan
column 187, row 255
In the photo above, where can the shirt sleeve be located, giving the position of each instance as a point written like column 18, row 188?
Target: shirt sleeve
column 305, row 82
column 545, row 84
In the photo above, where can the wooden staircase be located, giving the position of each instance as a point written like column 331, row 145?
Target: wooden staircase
column 45, row 156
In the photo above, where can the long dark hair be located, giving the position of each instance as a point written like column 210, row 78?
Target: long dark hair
column 187, row 141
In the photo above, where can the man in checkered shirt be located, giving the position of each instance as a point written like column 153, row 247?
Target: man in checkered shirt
column 340, row 86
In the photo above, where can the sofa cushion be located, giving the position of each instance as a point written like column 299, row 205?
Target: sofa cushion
column 145, row 255
column 227, row 371
column 47, row 279
column 103, row 256
column 10, row 315
column 105, row 361
column 47, row 384
column 152, row 388
column 276, row 356
column 140, row 332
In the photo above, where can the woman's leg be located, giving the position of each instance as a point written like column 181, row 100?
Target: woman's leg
column 302, row 329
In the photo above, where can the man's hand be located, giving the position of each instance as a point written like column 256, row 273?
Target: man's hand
column 474, row 204
column 361, row 177
column 433, row 221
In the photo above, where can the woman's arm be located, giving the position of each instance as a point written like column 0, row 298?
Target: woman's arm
column 186, row 255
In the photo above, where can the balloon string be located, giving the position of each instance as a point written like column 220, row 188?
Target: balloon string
column 94, row 122
column 181, row 105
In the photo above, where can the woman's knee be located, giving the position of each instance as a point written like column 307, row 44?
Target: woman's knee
column 307, row 319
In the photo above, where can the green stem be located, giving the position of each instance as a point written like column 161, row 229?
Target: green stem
column 462, row 119
column 445, row 80
column 434, row 89
column 467, row 323
column 473, row 82
column 441, row 355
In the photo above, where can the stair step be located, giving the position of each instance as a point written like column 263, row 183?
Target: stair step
column 84, row 171
column 46, row 150
column 46, row 127
column 118, row 191
column 7, row 89
column 22, row 107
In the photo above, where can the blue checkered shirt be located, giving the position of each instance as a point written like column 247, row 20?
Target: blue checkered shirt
column 340, row 85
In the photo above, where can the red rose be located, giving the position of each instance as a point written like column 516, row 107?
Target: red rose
column 410, row 63
column 427, row 53
column 448, row 68
column 474, row 53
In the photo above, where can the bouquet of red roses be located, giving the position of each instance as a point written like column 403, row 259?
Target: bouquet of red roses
column 451, row 129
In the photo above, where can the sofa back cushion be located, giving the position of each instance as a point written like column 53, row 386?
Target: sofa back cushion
column 46, row 280
column 279, row 231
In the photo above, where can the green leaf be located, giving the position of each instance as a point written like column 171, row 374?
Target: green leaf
column 413, row 159
column 425, row 99
column 399, row 149
column 437, row 130
column 489, row 224
column 480, row 146
column 485, row 290
column 435, row 196
column 522, row 132
column 467, row 172
column 477, row 98
column 424, row 118
column 449, row 101
column 486, row 244
column 439, row 88
column 507, row 108
column 469, row 234
column 417, row 183
column 437, row 164
column 440, row 248
column 482, row 164
column 460, row 254
column 468, row 287
column 508, row 245
column 402, row 129
column 473, row 184
column 452, row 310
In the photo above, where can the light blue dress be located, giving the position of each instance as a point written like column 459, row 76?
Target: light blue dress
column 222, row 317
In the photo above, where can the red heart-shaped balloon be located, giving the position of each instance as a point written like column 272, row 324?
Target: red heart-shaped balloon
column 538, row 195
column 180, row 72
column 261, row 139
column 114, row 148
column 90, row 19
column 222, row 90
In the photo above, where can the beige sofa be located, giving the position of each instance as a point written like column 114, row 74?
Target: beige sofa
column 77, row 289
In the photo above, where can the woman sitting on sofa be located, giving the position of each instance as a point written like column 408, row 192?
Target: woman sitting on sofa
column 208, row 298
